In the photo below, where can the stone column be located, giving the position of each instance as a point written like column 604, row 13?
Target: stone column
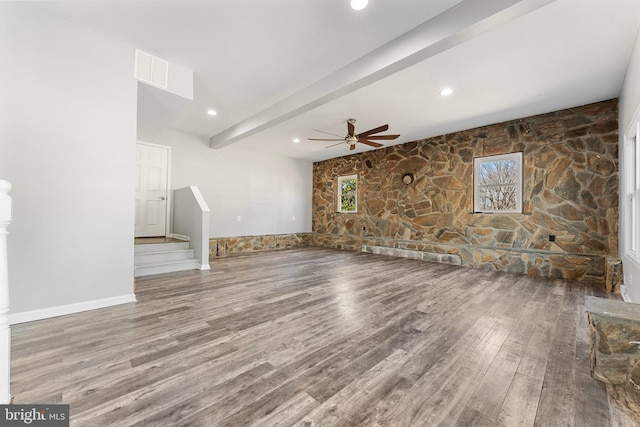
column 5, row 332
column 613, row 274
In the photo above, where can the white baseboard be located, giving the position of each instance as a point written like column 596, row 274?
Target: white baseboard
column 61, row 310
column 179, row 237
column 204, row 267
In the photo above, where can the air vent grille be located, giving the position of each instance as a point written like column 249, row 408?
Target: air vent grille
column 151, row 69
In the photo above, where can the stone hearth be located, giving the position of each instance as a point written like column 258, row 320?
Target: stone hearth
column 408, row 253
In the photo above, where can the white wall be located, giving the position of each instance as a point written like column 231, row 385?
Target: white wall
column 629, row 107
column 265, row 191
column 67, row 144
column 180, row 80
column 191, row 218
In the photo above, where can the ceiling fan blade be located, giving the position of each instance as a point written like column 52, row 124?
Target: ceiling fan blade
column 371, row 143
column 328, row 133
column 375, row 130
column 333, row 145
column 325, row 139
column 352, row 147
column 351, row 128
column 381, row 136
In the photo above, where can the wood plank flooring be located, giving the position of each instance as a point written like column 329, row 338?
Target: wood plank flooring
column 319, row 337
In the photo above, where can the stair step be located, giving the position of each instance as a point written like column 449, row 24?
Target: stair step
column 160, row 247
column 159, row 257
column 149, row 268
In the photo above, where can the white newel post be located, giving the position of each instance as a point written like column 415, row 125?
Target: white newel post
column 5, row 332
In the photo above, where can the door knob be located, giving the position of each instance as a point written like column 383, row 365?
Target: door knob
column 162, row 198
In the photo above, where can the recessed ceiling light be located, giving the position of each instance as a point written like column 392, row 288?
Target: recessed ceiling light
column 359, row 4
column 446, row 91
column 296, row 140
column 211, row 112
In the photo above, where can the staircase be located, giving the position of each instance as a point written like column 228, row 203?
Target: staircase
column 157, row 258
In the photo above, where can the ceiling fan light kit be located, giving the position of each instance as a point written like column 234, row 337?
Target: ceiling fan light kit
column 352, row 138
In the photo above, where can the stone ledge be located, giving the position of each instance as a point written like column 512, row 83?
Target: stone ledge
column 586, row 268
column 614, row 330
column 223, row 246
column 408, row 253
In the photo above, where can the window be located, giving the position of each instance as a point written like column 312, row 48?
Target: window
column 348, row 193
column 497, row 183
column 632, row 191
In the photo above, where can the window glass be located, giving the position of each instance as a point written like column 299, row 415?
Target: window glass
column 498, row 183
column 348, row 193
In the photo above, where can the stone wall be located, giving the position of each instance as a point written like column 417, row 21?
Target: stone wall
column 222, row 246
column 570, row 190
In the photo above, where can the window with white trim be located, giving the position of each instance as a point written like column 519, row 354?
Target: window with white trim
column 348, row 194
column 632, row 191
column 497, row 183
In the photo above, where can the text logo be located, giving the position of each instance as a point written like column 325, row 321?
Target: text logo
column 34, row 415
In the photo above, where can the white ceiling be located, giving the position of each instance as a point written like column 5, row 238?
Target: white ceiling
column 275, row 70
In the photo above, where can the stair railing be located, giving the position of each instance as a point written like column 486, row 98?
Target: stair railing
column 191, row 218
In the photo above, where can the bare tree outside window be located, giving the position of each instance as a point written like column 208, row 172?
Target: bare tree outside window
column 498, row 183
column 348, row 191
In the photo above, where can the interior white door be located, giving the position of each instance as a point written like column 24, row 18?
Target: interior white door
column 152, row 165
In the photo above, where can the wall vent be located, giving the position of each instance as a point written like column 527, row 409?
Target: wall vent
column 151, row 69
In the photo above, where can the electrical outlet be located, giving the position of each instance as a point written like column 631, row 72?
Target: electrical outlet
column 552, row 237
column 238, row 218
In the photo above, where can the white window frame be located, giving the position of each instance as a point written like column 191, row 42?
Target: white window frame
column 340, row 180
column 477, row 162
column 631, row 191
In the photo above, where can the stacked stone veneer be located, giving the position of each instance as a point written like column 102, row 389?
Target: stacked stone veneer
column 570, row 190
column 222, row 246
column 615, row 341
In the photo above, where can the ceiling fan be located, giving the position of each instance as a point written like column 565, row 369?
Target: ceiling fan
column 353, row 138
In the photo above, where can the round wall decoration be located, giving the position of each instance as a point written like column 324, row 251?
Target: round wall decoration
column 407, row 178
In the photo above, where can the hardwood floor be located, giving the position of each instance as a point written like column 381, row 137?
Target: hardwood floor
column 318, row 337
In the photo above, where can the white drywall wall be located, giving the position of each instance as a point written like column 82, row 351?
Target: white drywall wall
column 265, row 191
column 67, row 144
column 191, row 218
column 629, row 106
